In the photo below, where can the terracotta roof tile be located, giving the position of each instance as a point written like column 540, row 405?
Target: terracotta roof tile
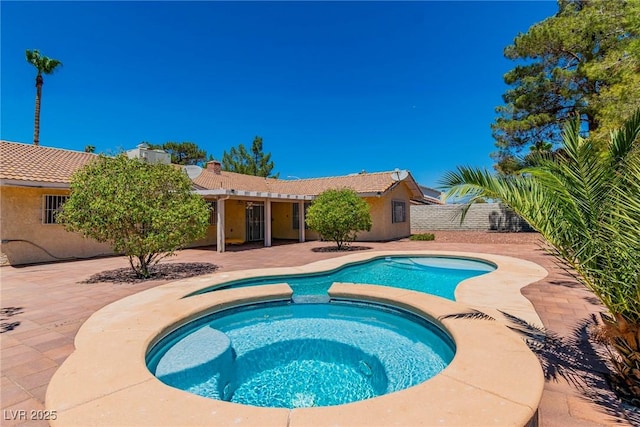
column 361, row 183
column 26, row 162
column 231, row 180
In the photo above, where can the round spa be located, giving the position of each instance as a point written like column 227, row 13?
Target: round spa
column 295, row 355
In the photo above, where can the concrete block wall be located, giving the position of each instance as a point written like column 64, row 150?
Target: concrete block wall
column 480, row 217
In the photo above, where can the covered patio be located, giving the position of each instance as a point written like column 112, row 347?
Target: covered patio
column 256, row 209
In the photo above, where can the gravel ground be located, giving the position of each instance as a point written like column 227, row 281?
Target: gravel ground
column 485, row 237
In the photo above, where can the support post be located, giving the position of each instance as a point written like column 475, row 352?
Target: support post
column 301, row 222
column 267, row 223
column 220, row 235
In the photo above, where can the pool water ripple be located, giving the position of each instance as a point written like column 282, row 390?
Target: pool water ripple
column 296, row 355
column 433, row 275
column 315, row 352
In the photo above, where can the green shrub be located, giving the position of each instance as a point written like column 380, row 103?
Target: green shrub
column 338, row 215
column 423, row 236
column 145, row 211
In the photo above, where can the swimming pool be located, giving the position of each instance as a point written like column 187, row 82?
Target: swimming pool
column 291, row 355
column 107, row 382
column 301, row 355
column 429, row 274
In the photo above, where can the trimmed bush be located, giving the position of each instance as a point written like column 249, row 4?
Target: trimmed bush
column 423, row 236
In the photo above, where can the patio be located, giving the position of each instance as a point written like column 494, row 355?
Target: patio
column 44, row 305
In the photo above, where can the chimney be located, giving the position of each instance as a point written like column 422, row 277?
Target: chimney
column 214, row 166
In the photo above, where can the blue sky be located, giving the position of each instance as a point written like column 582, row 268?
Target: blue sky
column 332, row 87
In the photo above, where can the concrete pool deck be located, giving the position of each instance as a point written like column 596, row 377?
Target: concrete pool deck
column 50, row 305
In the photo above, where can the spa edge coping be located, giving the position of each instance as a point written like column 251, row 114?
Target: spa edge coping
column 105, row 381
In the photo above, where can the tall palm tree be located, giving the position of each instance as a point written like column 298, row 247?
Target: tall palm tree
column 44, row 65
column 585, row 201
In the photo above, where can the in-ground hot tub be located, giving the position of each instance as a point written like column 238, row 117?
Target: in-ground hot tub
column 302, row 355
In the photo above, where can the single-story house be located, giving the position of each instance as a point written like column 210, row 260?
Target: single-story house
column 34, row 183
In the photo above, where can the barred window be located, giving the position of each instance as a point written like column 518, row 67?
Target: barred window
column 213, row 211
column 296, row 215
column 52, row 205
column 399, row 211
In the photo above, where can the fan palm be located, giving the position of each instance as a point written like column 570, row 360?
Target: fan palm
column 44, row 65
column 585, row 201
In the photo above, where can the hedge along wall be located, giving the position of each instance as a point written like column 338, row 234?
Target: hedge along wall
column 480, row 217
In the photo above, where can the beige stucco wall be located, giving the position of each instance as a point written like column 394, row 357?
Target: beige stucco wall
column 235, row 224
column 21, row 219
column 235, row 220
column 382, row 226
column 210, row 239
column 282, row 222
column 380, row 207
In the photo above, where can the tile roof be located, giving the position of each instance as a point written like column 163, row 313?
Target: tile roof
column 32, row 163
column 209, row 180
column 361, row 183
column 27, row 162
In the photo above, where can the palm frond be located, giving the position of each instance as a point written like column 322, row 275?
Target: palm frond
column 623, row 139
column 586, row 204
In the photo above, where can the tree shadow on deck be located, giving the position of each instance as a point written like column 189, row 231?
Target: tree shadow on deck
column 576, row 359
column 334, row 248
column 247, row 246
column 6, row 313
column 168, row 271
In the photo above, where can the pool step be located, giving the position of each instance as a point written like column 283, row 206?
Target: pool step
column 203, row 352
column 311, row 299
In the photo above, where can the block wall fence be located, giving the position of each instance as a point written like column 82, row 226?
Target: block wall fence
column 480, row 217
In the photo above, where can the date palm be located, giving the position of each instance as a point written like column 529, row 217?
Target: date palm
column 585, row 201
column 44, row 65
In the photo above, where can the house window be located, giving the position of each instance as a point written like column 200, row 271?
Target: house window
column 213, row 212
column 399, row 211
column 52, row 205
column 296, row 215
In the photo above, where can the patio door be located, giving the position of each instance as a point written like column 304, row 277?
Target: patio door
column 255, row 222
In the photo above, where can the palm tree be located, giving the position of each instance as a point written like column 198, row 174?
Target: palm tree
column 585, row 201
column 44, row 65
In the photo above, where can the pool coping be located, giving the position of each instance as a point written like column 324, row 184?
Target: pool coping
column 106, row 382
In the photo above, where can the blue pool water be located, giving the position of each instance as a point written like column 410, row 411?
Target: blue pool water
column 433, row 275
column 300, row 355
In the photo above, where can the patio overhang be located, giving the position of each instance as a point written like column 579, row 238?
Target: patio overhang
column 223, row 192
column 222, row 195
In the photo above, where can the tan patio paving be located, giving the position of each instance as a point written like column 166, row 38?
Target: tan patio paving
column 44, row 306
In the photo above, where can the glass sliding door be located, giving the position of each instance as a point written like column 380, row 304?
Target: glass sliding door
column 255, row 222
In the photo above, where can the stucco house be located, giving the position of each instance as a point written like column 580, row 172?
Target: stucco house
column 34, row 183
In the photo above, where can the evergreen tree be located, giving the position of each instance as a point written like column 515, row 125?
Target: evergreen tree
column 584, row 60
column 182, row 153
column 256, row 163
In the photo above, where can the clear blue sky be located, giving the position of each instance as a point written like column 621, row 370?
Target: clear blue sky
column 332, row 87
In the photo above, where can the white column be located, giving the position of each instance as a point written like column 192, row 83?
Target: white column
column 220, row 226
column 301, row 221
column 267, row 223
